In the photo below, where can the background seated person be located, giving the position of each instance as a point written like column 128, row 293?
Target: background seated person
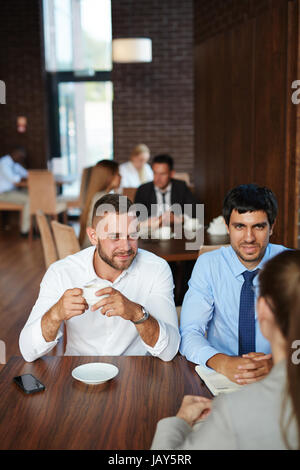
column 12, row 172
column 266, row 414
column 220, row 301
column 137, row 170
column 160, row 194
column 138, row 317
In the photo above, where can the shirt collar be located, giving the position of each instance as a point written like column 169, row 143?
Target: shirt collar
column 92, row 276
column 167, row 190
column 237, row 266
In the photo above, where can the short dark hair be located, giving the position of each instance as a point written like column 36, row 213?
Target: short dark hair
column 164, row 158
column 119, row 203
column 250, row 198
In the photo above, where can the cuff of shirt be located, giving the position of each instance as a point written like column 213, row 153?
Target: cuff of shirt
column 206, row 354
column 161, row 343
column 17, row 178
column 41, row 346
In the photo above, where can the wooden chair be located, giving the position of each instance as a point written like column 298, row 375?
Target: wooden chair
column 65, row 239
column 183, row 176
column 49, row 249
column 10, row 206
column 208, row 248
column 42, row 196
column 130, row 193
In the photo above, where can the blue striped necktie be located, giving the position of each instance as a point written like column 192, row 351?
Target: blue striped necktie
column 247, row 314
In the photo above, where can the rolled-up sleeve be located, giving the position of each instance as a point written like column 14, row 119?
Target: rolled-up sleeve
column 162, row 307
column 31, row 342
column 197, row 310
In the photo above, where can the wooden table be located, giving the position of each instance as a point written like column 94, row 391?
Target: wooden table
column 119, row 415
column 175, row 249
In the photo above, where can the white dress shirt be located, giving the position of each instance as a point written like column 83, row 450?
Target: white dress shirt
column 163, row 199
column 148, row 281
column 10, row 173
column 130, row 175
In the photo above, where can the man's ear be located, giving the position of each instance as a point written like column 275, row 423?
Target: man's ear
column 227, row 226
column 91, row 233
column 172, row 173
column 272, row 229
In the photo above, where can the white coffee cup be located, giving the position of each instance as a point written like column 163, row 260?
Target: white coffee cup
column 191, row 224
column 89, row 291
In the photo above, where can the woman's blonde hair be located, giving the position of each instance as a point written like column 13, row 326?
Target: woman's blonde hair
column 140, row 148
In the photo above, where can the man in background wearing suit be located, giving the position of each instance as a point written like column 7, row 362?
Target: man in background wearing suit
column 164, row 191
column 159, row 197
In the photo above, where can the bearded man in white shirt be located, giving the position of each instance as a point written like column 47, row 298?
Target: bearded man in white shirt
column 138, row 317
column 13, row 172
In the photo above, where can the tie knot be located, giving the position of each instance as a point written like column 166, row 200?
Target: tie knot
column 250, row 275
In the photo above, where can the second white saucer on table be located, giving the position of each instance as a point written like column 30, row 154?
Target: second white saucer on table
column 95, row 373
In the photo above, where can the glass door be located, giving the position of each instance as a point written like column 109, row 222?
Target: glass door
column 86, row 125
column 80, row 93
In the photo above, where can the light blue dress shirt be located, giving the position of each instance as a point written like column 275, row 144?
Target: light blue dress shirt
column 211, row 305
column 10, row 173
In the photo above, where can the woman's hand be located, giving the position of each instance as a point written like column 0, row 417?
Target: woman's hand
column 194, row 408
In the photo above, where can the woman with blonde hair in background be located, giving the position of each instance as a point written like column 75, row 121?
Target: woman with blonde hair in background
column 264, row 414
column 105, row 178
column 137, row 170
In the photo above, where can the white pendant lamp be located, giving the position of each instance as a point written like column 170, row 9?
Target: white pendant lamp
column 131, row 50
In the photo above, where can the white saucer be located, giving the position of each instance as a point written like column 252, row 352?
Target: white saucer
column 95, row 373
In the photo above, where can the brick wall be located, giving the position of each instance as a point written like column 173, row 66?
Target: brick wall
column 153, row 102
column 21, row 68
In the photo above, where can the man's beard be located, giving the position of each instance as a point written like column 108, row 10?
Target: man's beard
column 112, row 262
column 248, row 258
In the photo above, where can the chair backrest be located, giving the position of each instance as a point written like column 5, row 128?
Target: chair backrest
column 65, row 239
column 42, row 191
column 130, row 193
column 207, row 248
column 183, row 176
column 49, row 249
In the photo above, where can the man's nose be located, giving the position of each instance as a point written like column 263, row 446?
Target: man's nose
column 124, row 244
column 249, row 236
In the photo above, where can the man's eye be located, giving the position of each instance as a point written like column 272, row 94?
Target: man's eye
column 113, row 237
column 134, row 236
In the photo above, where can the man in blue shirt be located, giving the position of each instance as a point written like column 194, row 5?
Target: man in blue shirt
column 13, row 172
column 219, row 325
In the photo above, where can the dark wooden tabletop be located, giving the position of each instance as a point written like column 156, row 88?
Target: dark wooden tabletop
column 119, row 415
column 175, row 249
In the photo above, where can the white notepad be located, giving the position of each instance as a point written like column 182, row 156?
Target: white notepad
column 217, row 383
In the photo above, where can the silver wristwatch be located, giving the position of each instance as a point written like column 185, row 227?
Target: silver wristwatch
column 145, row 317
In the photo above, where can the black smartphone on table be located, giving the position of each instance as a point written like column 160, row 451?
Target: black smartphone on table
column 29, row 383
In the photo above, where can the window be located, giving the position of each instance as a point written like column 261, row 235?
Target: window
column 78, row 64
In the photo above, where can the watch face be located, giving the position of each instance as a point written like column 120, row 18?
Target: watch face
column 146, row 315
